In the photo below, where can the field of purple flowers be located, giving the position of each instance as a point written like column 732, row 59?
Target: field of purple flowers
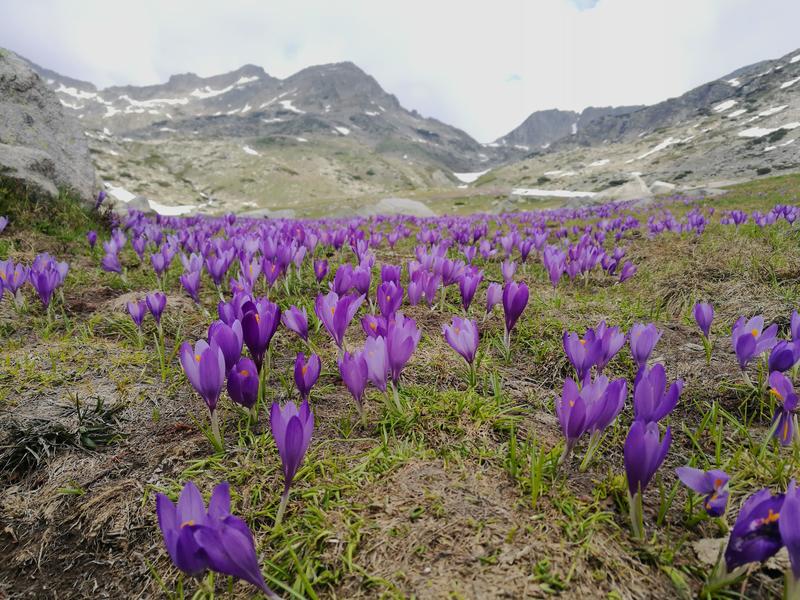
column 593, row 402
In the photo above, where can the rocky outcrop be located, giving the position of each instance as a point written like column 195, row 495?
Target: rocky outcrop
column 41, row 146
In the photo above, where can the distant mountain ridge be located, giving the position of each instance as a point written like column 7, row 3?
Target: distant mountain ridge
column 336, row 99
column 330, row 133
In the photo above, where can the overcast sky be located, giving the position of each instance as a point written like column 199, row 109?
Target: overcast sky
column 482, row 66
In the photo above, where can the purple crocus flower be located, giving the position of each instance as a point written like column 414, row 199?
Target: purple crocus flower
column 402, row 337
column 137, row 310
column 789, row 527
column 156, row 303
column 101, row 196
column 296, row 319
column 110, row 263
column 390, row 297
column 468, row 285
column 582, row 352
column 229, row 338
column 353, row 369
column 795, row 326
column 651, row 400
column 259, row 324
column 515, row 299
column 704, row 315
column 197, row 539
column 590, row 408
column 374, row 325
column 783, row 356
column 191, row 283
column 756, row 534
column 508, row 269
column 750, row 339
column 462, row 335
column 628, row 270
column 320, row 269
column 712, row 484
column 204, row 366
column 644, row 452
column 178, row 525
column 292, row 428
column 611, row 340
column 306, row 373
column 643, row 339
column 494, row 296
column 784, row 419
column 91, row 237
column 243, row 382
column 336, row 313
column 377, row 361
column 13, row 275
column 555, row 262
column 44, row 282
column 391, row 273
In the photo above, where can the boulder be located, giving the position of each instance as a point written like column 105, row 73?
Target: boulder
column 41, row 146
column 398, row 206
column 662, row 187
column 634, row 189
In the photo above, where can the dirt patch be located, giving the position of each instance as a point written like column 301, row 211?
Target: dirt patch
column 441, row 531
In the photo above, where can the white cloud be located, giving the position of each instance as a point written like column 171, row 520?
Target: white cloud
column 483, row 70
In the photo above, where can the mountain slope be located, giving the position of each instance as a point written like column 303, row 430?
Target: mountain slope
column 334, row 100
column 740, row 126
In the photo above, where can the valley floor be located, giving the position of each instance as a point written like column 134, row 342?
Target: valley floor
column 456, row 496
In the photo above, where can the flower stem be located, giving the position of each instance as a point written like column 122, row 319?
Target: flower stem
column 282, row 507
column 396, row 397
column 637, row 516
column 594, row 444
column 472, row 376
column 215, row 429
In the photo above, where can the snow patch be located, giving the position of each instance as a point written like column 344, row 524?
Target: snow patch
column 789, row 83
column 736, row 113
column 75, row 106
column 287, row 105
column 249, row 150
column 120, row 193
column 370, row 113
column 154, row 102
column 246, row 80
column 470, row 177
column 521, row 147
column 574, row 128
column 273, row 120
column 246, row 108
column 723, row 106
column 757, row 132
column 667, row 142
column 600, row 163
column 208, row 92
column 773, row 111
column 342, row 130
column 170, row 211
column 300, row 139
column 551, row 193
column 75, row 92
column 795, row 59
column 734, row 82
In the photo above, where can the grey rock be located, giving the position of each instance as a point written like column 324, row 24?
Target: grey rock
column 635, row 189
column 41, row 146
column 662, row 187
